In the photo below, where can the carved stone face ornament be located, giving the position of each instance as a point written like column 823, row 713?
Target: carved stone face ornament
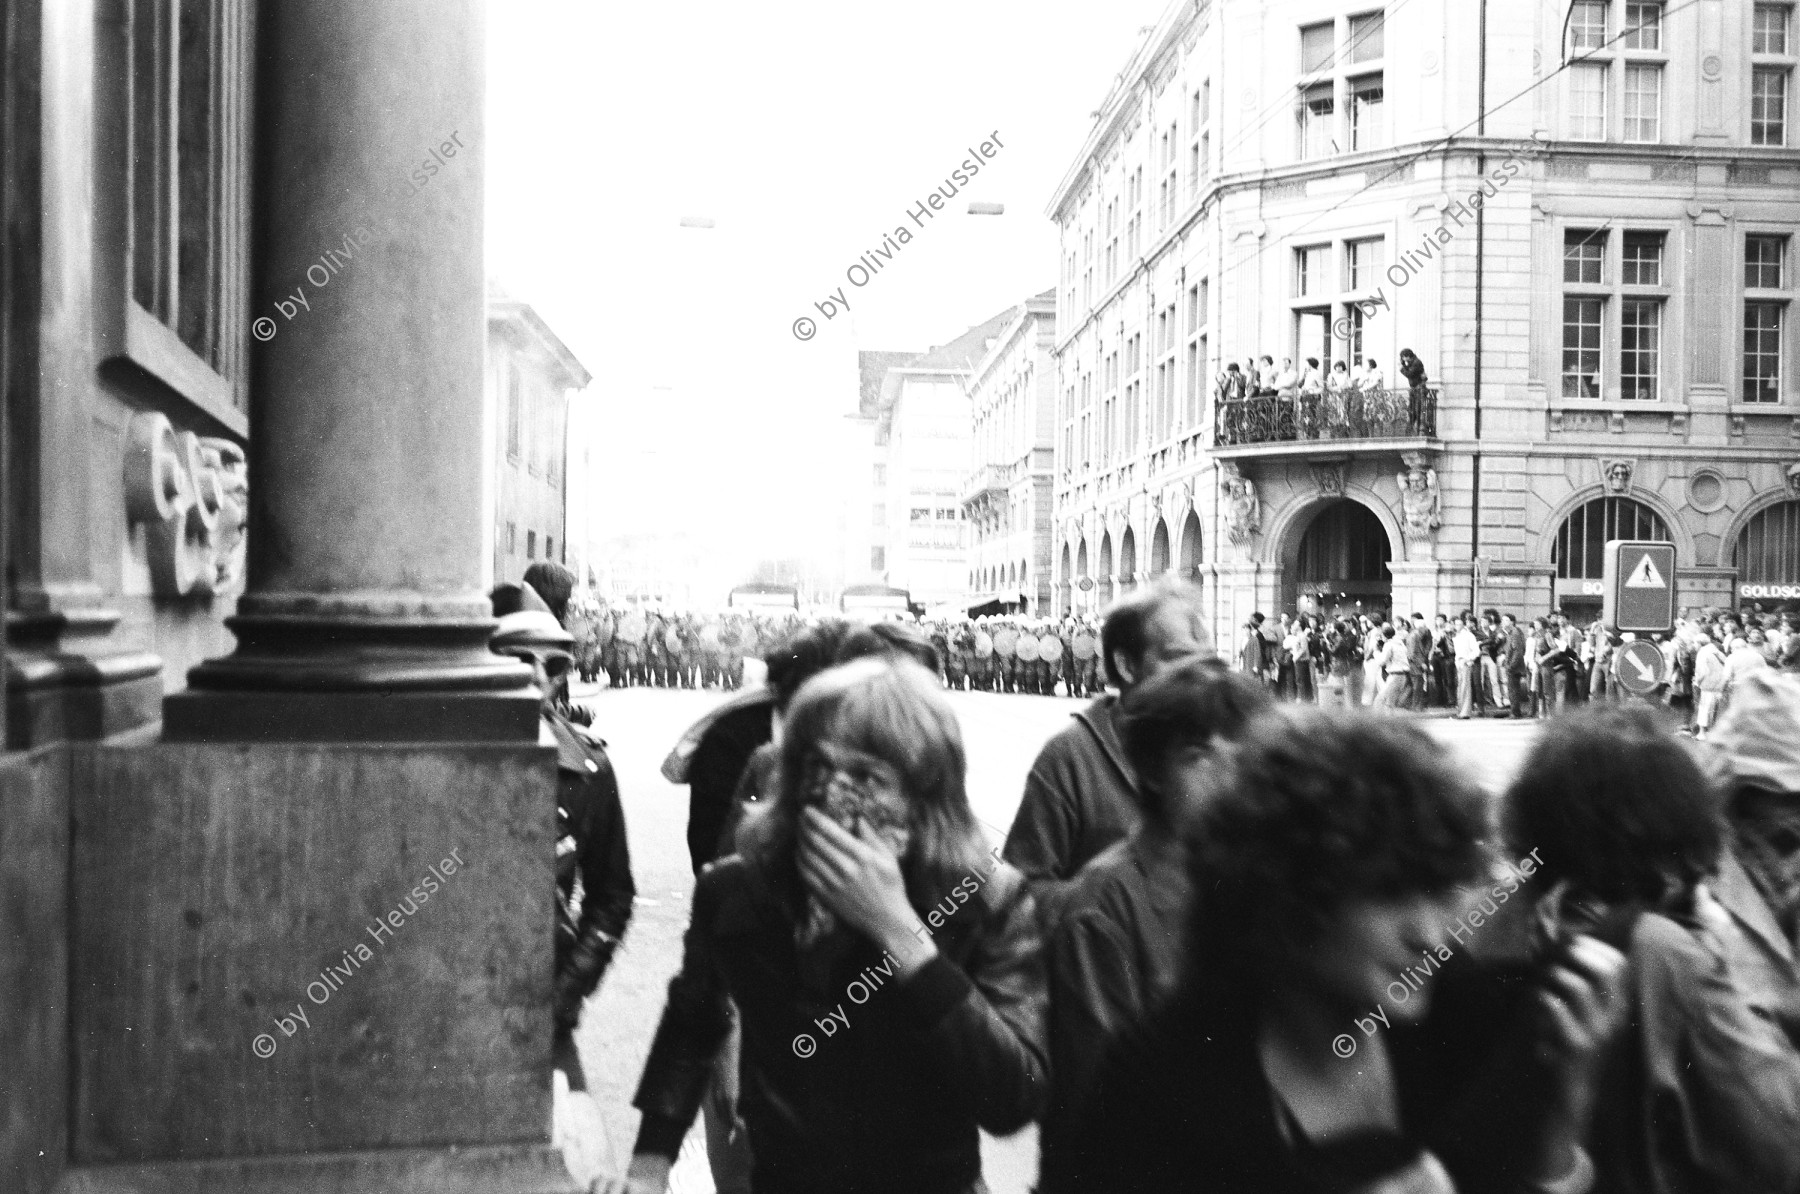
column 191, row 494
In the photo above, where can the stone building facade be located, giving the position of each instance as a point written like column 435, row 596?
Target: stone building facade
column 1007, row 499
column 915, row 410
column 1586, row 236
column 250, row 700
column 532, row 378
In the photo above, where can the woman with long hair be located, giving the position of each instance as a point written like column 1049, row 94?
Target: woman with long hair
column 885, row 965
column 1309, row 1049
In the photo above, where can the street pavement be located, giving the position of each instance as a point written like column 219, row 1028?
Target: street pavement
column 1002, row 735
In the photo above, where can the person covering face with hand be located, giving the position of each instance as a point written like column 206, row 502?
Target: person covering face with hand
column 885, row 966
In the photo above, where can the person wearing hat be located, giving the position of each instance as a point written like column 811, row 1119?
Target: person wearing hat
column 590, row 824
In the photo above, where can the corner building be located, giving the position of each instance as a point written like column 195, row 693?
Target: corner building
column 1584, row 233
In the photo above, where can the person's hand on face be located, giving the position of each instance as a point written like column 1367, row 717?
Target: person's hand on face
column 853, row 833
column 1583, row 1006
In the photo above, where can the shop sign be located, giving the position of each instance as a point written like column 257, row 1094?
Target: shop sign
column 1776, row 592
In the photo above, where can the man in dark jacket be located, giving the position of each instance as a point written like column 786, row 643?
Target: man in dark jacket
column 1115, row 954
column 1418, row 653
column 590, row 824
column 1079, row 797
column 1512, row 663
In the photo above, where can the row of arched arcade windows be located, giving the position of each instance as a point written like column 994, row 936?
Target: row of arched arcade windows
column 1100, row 569
column 1766, row 554
column 988, row 580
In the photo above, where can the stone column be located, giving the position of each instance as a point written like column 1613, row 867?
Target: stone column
column 363, row 616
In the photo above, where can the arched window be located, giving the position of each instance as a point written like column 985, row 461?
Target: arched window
column 1159, row 549
column 1190, row 547
column 1580, row 549
column 1768, row 548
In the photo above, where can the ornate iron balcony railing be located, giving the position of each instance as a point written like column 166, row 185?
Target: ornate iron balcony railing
column 1347, row 415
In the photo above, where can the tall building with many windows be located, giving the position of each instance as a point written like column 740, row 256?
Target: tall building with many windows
column 1007, row 499
column 916, row 409
column 1579, row 217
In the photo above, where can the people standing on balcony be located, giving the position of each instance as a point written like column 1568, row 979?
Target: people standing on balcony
column 1338, row 390
column 1233, row 385
column 1413, row 370
column 1265, row 377
column 1371, row 379
column 1312, row 382
column 1287, row 380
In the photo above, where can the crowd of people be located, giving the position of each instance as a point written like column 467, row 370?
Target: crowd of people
column 1310, row 400
column 1228, row 943
column 637, row 647
column 660, row 648
column 1495, row 664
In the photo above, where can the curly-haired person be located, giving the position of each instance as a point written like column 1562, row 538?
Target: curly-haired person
column 1310, row 1047
column 1702, row 1092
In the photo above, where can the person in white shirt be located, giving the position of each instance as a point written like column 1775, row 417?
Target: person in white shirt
column 1311, row 380
column 1468, row 665
column 1396, row 664
column 1287, row 380
column 1265, row 376
column 1371, row 379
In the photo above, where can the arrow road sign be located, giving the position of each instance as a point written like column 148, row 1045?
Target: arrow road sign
column 1638, row 667
column 1639, row 581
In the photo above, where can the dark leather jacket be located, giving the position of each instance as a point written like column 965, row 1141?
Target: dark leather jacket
column 591, row 847
column 889, row 1097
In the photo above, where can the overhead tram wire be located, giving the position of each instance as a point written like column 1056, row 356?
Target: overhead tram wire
column 1446, row 140
column 1284, row 104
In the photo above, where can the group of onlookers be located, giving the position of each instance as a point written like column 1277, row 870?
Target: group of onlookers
column 1260, row 377
column 1496, row 664
column 1229, row 945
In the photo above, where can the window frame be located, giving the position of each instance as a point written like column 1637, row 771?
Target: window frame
column 182, row 145
column 1779, row 299
column 1344, row 74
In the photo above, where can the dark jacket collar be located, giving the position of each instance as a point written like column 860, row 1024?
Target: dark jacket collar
column 1101, row 718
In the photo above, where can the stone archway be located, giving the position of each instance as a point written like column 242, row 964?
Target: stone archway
column 1334, row 559
column 1127, row 561
column 1105, row 580
column 1191, row 548
column 1159, row 548
column 1065, row 589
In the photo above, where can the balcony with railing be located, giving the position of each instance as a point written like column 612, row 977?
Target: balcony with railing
column 986, row 483
column 1275, row 424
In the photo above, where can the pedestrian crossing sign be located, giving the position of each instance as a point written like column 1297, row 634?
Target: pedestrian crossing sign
column 1639, row 586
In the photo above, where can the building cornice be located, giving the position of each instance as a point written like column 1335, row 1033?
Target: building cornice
column 1124, row 101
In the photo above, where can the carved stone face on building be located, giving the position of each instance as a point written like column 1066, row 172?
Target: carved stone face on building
column 1618, row 475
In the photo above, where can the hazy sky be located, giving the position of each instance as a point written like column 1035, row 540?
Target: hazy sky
column 805, row 131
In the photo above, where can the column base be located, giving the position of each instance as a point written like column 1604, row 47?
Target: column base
column 198, row 715
column 520, row 1169
column 350, row 670
column 58, row 694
